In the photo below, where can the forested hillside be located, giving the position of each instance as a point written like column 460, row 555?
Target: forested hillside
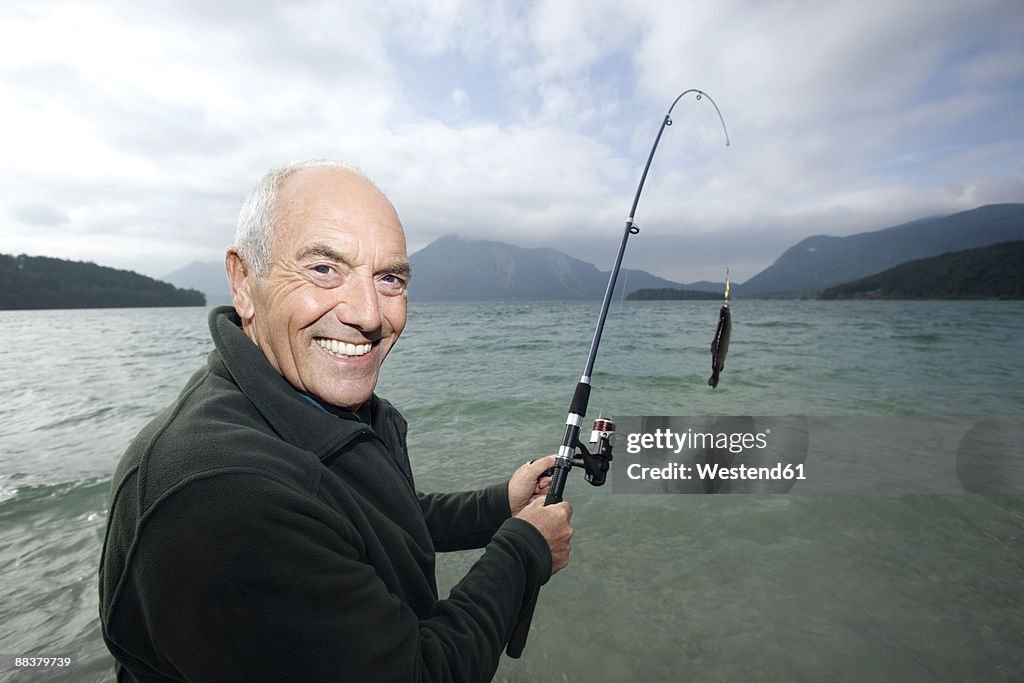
column 28, row 282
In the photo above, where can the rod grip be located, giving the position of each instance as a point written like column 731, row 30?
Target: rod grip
column 517, row 642
column 580, row 399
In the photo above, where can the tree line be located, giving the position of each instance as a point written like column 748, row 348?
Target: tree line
column 33, row 282
column 992, row 272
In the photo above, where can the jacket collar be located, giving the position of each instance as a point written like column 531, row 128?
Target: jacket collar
column 294, row 418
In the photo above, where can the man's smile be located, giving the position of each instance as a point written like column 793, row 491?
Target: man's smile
column 344, row 349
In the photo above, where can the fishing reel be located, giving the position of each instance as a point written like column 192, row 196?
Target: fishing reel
column 595, row 465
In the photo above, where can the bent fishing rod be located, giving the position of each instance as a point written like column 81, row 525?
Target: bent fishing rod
column 594, row 464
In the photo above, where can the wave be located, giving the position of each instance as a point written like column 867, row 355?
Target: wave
column 920, row 337
column 20, row 501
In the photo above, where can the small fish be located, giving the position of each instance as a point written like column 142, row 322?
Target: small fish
column 720, row 344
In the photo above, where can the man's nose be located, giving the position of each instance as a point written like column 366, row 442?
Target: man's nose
column 359, row 307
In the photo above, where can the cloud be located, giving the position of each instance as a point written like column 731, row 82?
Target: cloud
column 141, row 126
column 459, row 98
column 38, row 215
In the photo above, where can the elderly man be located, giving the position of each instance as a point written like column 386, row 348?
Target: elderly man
column 266, row 526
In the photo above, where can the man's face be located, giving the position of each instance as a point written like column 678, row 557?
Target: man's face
column 333, row 302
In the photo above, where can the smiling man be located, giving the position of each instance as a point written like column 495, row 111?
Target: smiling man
column 266, row 525
column 328, row 308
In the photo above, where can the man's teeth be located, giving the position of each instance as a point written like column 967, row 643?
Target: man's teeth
column 340, row 348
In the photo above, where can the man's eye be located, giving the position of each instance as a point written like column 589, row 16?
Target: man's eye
column 392, row 283
column 325, row 275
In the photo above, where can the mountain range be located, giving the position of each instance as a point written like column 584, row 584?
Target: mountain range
column 992, row 272
column 823, row 261
column 458, row 269
column 455, row 269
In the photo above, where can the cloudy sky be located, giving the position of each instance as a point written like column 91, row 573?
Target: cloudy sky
column 131, row 131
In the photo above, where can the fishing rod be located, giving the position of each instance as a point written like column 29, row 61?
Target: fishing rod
column 595, row 464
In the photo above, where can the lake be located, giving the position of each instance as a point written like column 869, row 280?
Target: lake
column 872, row 584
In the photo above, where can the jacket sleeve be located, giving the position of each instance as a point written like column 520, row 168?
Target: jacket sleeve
column 460, row 521
column 270, row 586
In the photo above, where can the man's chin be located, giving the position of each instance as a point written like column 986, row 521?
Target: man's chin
column 347, row 400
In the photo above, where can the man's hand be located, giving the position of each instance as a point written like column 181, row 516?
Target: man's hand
column 526, row 492
column 553, row 523
column 527, row 484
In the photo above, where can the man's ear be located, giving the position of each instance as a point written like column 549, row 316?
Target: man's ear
column 240, row 277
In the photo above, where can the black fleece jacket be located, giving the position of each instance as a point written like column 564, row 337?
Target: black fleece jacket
column 255, row 537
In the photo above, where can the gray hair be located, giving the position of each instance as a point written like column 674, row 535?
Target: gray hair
column 257, row 220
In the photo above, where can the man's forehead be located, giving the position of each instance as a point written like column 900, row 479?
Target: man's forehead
column 332, row 189
column 337, row 210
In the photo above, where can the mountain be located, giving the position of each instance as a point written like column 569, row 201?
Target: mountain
column 33, row 282
column 821, row 261
column 208, row 277
column 456, row 269
column 992, row 272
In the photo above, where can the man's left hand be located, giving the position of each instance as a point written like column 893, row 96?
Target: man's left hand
column 527, row 483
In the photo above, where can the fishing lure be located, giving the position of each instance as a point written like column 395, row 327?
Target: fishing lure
column 720, row 344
